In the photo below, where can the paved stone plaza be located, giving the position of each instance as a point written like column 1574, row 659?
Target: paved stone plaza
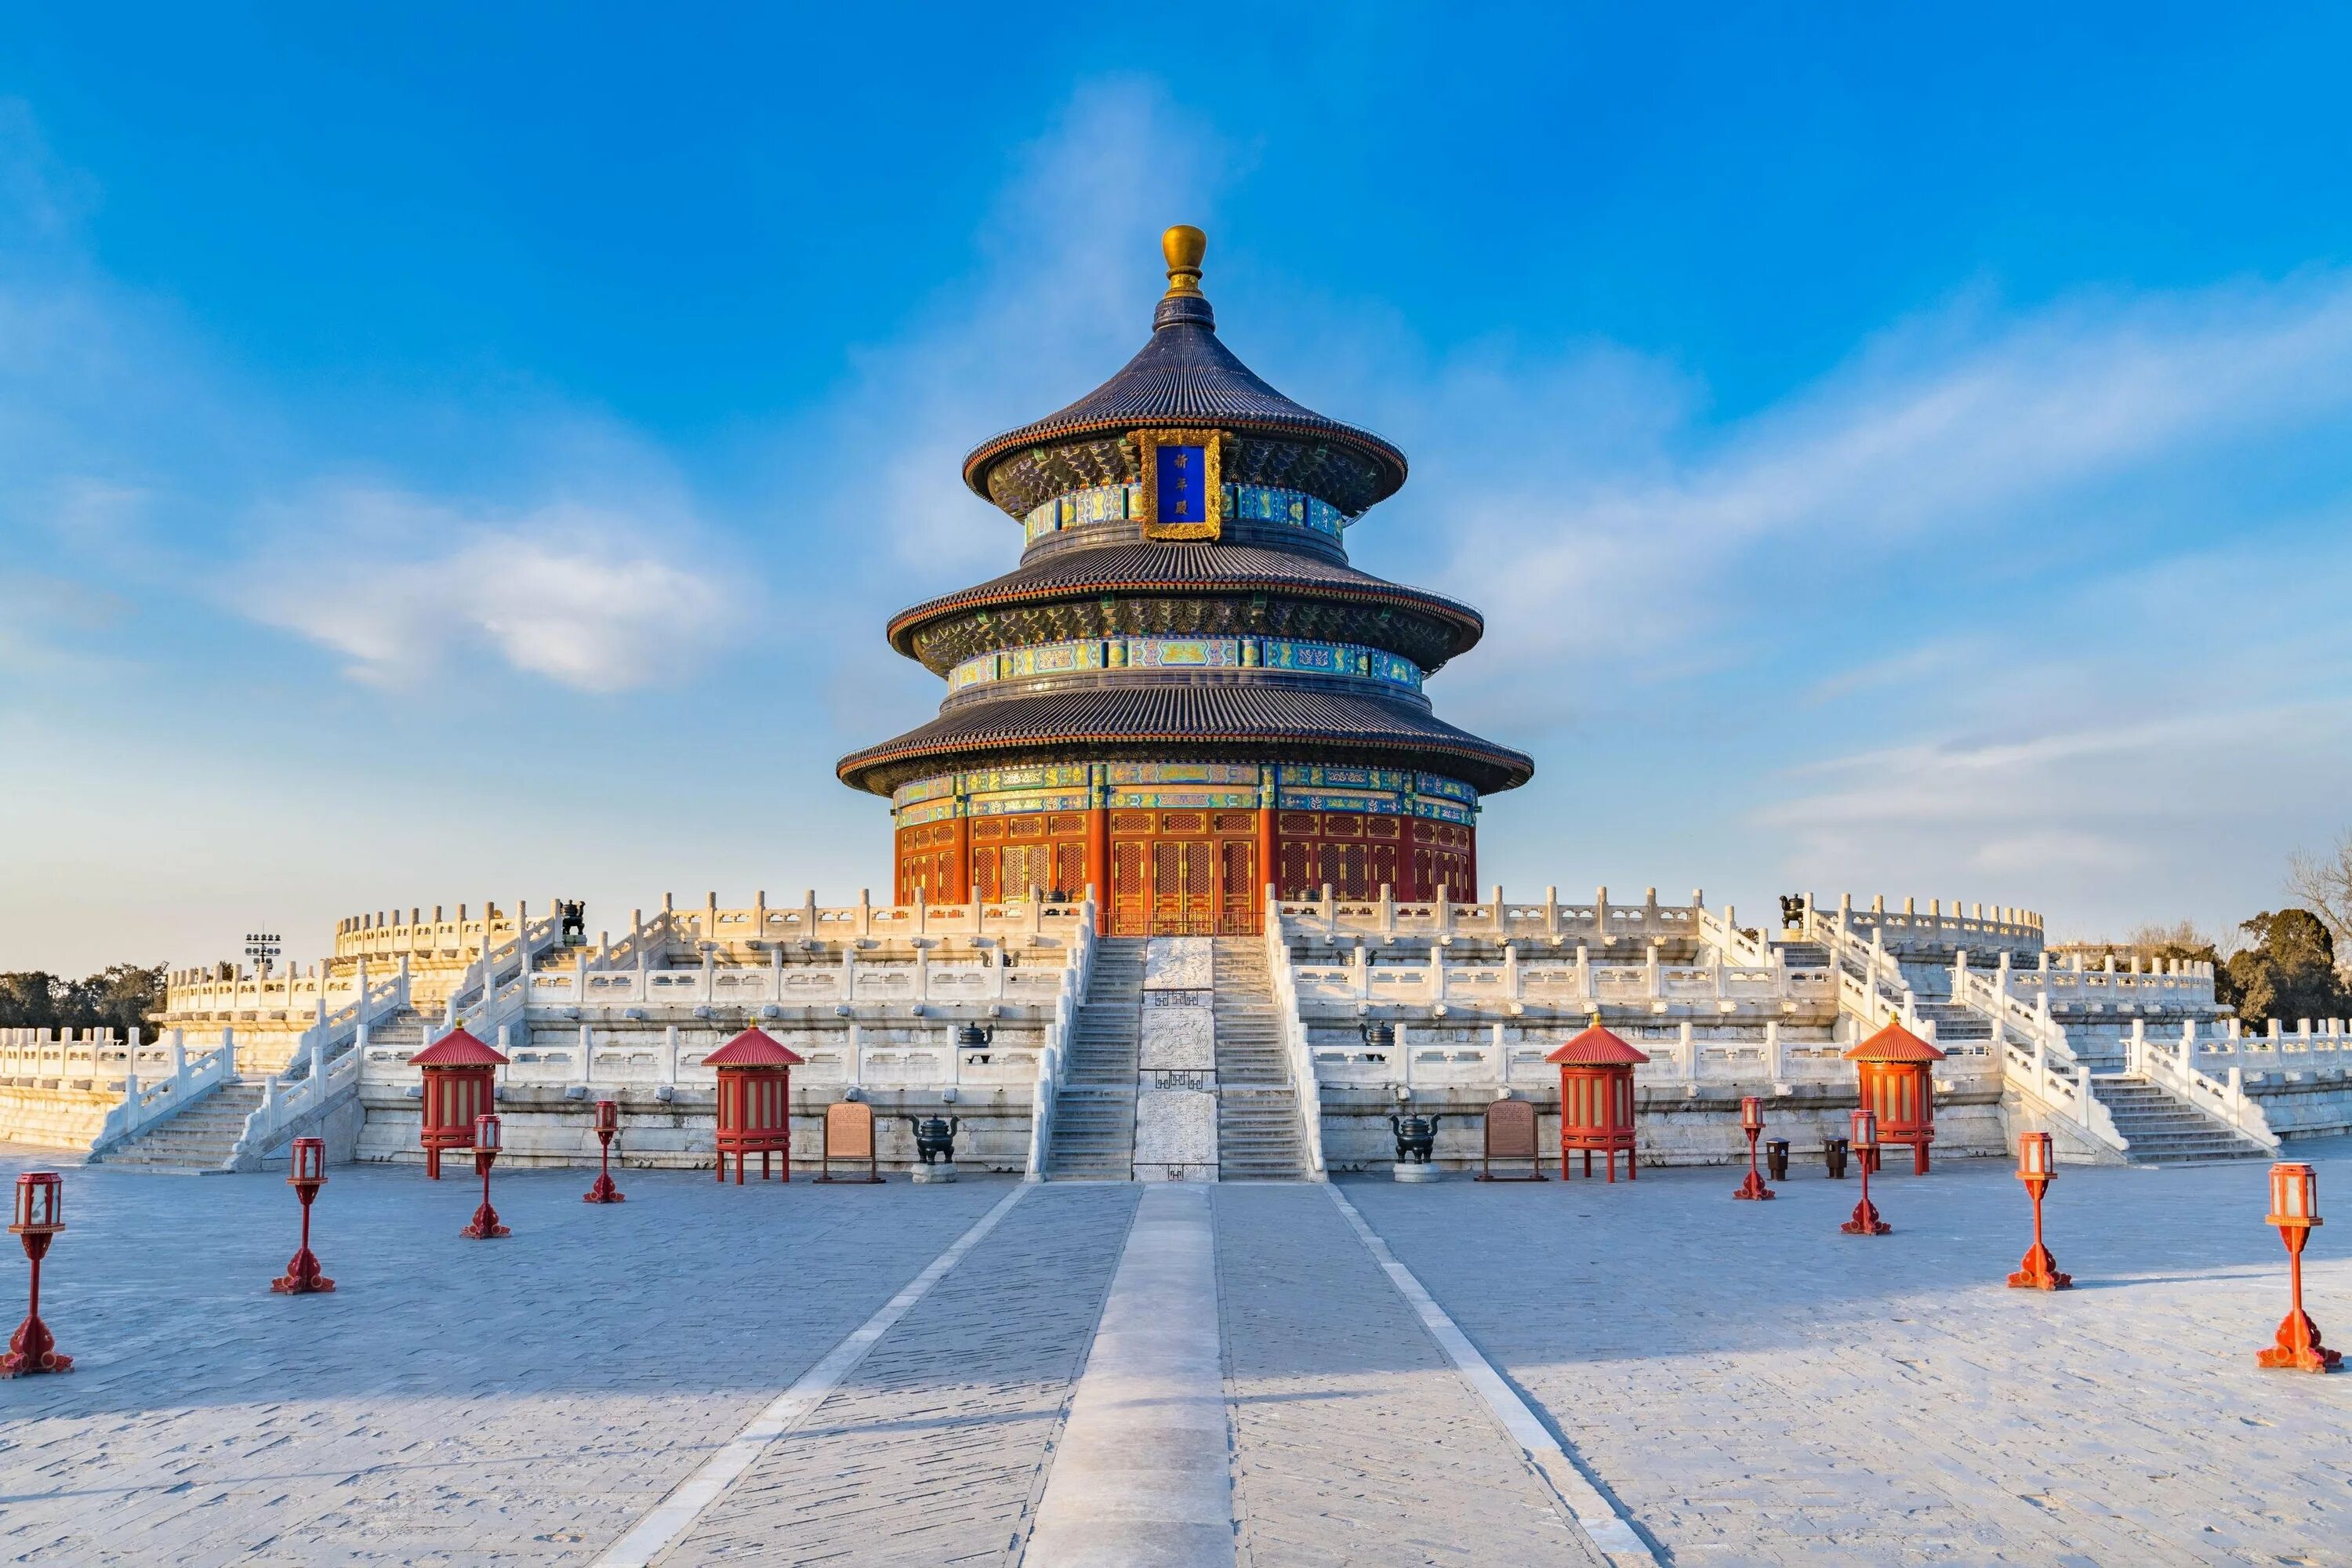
column 1741, row 1382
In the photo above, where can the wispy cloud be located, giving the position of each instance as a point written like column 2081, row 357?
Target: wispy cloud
column 133, row 461
column 405, row 588
column 1958, row 428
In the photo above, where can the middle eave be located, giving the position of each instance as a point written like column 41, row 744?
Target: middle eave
column 1186, row 568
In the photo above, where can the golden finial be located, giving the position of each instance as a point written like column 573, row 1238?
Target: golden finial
column 1184, row 246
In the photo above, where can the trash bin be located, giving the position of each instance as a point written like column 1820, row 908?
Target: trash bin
column 1833, row 1154
column 1776, row 1158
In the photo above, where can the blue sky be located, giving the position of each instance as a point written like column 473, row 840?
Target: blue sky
column 453, row 453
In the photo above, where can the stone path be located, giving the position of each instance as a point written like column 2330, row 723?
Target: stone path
column 452, row 1400
column 935, row 1450
column 1748, row 1384
column 1354, row 1441
column 1760, row 1389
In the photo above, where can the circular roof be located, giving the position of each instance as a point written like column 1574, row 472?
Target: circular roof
column 1185, row 375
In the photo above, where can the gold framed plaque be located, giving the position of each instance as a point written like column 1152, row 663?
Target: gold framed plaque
column 1184, row 482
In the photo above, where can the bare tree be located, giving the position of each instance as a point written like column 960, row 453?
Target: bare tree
column 2322, row 884
column 2181, row 939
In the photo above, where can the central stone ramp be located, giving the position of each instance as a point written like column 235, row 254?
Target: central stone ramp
column 1354, row 1440
column 1139, row 1476
column 933, row 1449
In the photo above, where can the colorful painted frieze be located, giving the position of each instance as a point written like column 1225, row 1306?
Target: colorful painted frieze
column 1346, row 661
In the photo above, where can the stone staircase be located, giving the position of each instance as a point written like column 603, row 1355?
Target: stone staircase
column 1258, row 1134
column 199, row 1139
column 1954, row 1021
column 1094, row 1113
column 2163, row 1129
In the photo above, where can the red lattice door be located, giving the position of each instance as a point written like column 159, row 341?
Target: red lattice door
column 1130, row 889
column 1183, row 888
column 1237, row 912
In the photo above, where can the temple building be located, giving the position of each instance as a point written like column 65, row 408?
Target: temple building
column 1184, row 692
column 1182, row 696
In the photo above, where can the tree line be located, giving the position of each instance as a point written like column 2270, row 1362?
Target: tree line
column 118, row 997
column 2280, row 964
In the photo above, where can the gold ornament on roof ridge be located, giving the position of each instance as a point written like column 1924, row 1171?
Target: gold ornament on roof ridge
column 1184, row 246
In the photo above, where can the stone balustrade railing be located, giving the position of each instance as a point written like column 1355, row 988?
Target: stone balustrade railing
column 386, row 938
column 1597, row 923
column 1037, row 979
column 759, row 926
column 1294, row 1049
column 2179, row 983
column 286, row 1102
column 1052, row 1068
column 1724, row 933
column 1936, row 925
column 184, row 1077
column 99, row 1057
column 1757, row 1058
column 856, row 1055
column 1441, row 983
column 2061, row 1087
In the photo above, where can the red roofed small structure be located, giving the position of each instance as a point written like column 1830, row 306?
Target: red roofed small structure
column 1894, row 1072
column 460, row 1084
column 1596, row 1099
column 755, row 1100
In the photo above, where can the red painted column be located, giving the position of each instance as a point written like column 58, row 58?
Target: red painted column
column 1269, row 868
column 958, row 888
column 1098, row 844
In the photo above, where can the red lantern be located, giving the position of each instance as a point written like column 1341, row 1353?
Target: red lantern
column 1865, row 1220
column 2038, row 1270
column 1751, row 1122
column 460, row 1077
column 608, row 1121
column 310, row 1173
column 489, row 1135
column 1596, row 1099
column 40, row 1215
column 1893, row 1070
column 755, row 1100
column 2295, row 1209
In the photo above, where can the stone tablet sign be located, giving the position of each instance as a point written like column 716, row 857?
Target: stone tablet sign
column 1511, row 1135
column 849, row 1135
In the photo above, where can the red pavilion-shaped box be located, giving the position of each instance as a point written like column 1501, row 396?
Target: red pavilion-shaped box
column 460, row 1078
column 755, row 1100
column 1596, row 1099
column 1894, row 1072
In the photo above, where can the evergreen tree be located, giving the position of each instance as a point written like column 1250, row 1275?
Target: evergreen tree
column 2287, row 972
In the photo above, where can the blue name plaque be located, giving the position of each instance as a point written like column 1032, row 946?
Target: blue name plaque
column 1183, row 483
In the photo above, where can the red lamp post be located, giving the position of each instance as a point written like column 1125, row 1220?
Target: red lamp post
column 40, row 1214
column 2039, row 1270
column 302, row 1277
column 487, row 1138
column 1865, row 1220
column 2295, row 1209
column 1596, row 1100
column 608, row 1121
column 1751, row 1122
